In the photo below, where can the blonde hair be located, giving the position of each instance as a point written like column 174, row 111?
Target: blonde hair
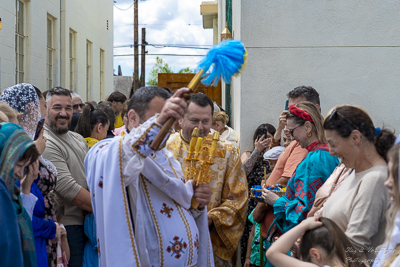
column 3, row 117
column 221, row 116
column 9, row 111
column 316, row 116
column 393, row 156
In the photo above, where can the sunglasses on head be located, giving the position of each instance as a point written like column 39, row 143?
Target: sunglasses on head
column 78, row 105
column 335, row 113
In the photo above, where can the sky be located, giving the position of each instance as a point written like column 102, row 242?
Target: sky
column 167, row 22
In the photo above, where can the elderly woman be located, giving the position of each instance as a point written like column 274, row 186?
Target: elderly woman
column 304, row 123
column 359, row 205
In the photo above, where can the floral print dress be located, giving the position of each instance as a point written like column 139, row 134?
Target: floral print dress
column 47, row 183
column 254, row 178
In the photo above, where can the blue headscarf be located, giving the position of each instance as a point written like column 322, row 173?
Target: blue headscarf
column 13, row 143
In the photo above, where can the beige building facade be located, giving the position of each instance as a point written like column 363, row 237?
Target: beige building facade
column 66, row 43
column 347, row 50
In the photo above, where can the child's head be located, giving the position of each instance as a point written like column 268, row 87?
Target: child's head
column 58, row 205
column 323, row 245
column 392, row 183
column 272, row 155
column 220, row 119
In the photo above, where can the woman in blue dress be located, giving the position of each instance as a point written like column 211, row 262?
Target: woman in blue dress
column 305, row 124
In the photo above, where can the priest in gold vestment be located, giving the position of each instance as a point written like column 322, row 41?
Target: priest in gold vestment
column 229, row 199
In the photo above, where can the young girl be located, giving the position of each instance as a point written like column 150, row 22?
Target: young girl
column 63, row 252
column 389, row 253
column 220, row 119
column 93, row 124
column 323, row 244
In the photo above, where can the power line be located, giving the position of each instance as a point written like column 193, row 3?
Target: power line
column 158, row 24
column 125, row 9
column 172, row 55
column 206, row 47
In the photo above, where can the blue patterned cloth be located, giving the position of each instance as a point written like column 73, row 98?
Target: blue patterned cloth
column 13, row 144
column 10, row 239
column 309, row 176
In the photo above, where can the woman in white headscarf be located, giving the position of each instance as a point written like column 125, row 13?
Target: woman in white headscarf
column 29, row 101
column 24, row 99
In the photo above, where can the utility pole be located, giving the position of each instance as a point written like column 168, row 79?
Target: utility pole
column 136, row 48
column 135, row 83
column 143, row 68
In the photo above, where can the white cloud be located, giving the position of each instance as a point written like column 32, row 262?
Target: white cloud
column 166, row 22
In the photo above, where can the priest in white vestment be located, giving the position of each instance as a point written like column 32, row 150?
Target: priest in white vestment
column 140, row 200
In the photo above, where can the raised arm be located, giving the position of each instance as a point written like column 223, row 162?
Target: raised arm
column 277, row 253
column 259, row 146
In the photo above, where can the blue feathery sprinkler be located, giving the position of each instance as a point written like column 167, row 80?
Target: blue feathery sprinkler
column 227, row 58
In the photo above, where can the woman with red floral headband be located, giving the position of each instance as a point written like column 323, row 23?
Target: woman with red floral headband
column 305, row 124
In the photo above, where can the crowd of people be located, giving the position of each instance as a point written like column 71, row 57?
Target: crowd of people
column 82, row 184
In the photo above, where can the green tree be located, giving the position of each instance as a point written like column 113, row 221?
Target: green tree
column 160, row 67
column 185, row 70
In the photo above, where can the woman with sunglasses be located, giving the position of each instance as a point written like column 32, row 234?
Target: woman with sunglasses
column 359, row 204
column 304, row 123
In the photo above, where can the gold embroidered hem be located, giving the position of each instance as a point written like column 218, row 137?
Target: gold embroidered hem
column 229, row 199
column 127, row 216
column 154, row 219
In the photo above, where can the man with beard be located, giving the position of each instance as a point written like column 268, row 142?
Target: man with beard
column 67, row 151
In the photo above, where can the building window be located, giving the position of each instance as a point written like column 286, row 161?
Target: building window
column 50, row 52
column 88, row 69
column 72, row 60
column 102, row 85
column 19, row 41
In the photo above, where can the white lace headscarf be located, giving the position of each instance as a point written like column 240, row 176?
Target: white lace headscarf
column 24, row 99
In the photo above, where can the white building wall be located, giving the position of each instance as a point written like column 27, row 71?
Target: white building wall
column 7, row 40
column 347, row 50
column 88, row 18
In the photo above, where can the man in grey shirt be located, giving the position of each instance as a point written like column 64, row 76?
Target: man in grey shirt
column 67, row 151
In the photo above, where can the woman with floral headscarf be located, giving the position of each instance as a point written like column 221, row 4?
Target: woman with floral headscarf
column 18, row 161
column 29, row 101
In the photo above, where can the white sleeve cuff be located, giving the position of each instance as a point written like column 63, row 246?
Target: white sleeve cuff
column 29, row 202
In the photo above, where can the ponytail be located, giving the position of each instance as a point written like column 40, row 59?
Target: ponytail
column 383, row 141
column 89, row 119
column 332, row 240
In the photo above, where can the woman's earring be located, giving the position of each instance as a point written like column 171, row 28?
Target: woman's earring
column 309, row 134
